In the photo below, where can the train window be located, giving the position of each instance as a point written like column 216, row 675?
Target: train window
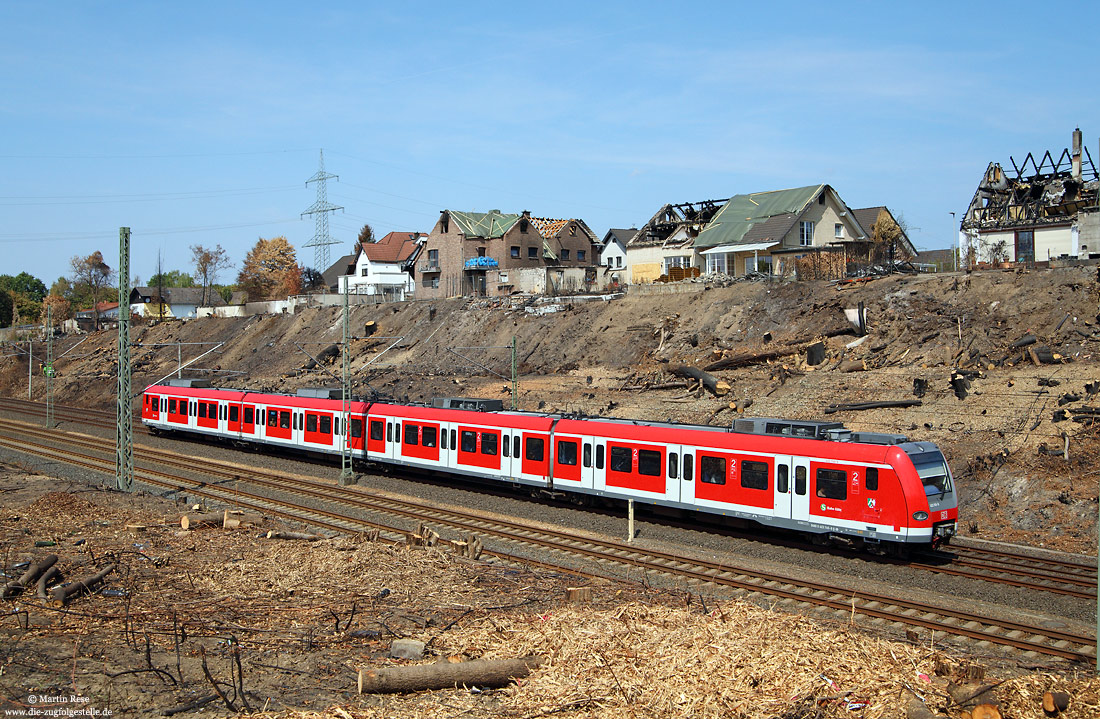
column 587, row 455
column 507, row 447
column 376, row 430
column 428, row 436
column 454, row 438
column 754, row 475
column 488, row 443
column 202, row 410
column 469, row 441
column 832, row 484
column 326, row 425
column 171, row 406
column 599, row 456
column 515, row 446
column 249, row 415
column 357, row 427
column 234, row 413
column 621, row 460
column 673, row 464
column 284, row 420
column 443, row 439
column 870, row 479
column 689, row 468
column 712, row 469
column 649, row 463
column 567, row 453
column 782, row 479
column 534, row 449
column 397, row 432
column 263, row 416
column 411, row 432
column 311, row 423
column 800, row 480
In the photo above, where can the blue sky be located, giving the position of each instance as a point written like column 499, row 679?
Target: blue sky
column 198, row 123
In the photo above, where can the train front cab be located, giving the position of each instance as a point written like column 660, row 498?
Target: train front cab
column 934, row 507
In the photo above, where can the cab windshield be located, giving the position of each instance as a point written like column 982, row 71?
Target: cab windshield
column 933, row 474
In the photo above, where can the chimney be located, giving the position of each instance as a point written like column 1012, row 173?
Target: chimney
column 1077, row 154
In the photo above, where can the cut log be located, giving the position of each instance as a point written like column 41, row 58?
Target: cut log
column 852, row 366
column 50, row 576
column 421, row 677
column 16, row 586
column 578, row 594
column 370, row 327
column 236, row 520
column 986, row 711
column 1055, row 702
column 815, row 354
column 193, row 521
column 917, row 709
column 60, row 596
column 714, row 385
column 305, row 536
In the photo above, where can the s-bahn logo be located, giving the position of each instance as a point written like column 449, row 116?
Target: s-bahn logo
column 870, row 502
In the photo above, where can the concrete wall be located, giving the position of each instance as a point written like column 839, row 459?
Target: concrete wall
column 1088, row 240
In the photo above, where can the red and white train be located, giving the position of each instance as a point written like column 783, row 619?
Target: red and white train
column 877, row 490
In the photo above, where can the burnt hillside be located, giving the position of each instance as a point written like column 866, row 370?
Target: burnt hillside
column 996, row 359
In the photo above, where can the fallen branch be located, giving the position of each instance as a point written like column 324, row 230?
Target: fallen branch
column 189, row 706
column 51, row 575
column 714, row 385
column 15, row 587
column 857, row 406
column 305, row 536
column 60, row 596
column 420, row 677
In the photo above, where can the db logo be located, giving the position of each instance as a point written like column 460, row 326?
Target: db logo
column 943, row 515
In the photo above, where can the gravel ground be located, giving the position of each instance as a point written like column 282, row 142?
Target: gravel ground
column 864, row 574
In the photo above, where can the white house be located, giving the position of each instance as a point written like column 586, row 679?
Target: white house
column 384, row 267
column 179, row 302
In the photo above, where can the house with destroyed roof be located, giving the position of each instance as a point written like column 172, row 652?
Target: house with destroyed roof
column 1041, row 210
column 667, row 240
column 495, row 253
column 768, row 232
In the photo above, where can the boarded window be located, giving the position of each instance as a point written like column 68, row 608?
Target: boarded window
column 832, row 484
column 712, row 469
column 567, row 453
column 534, row 449
column 621, row 460
column 754, row 475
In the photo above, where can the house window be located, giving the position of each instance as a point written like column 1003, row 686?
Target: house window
column 515, row 252
column 619, row 261
column 523, row 226
column 580, row 255
column 481, row 252
column 838, row 231
column 364, row 271
column 435, row 281
column 806, row 233
column 532, row 253
column 433, row 257
column 503, row 278
column 717, row 263
column 564, row 255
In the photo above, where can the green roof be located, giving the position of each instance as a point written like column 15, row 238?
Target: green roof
column 741, row 213
column 489, row 224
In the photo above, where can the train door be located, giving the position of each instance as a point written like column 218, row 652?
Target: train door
column 800, row 483
column 784, row 487
column 599, row 463
column 448, row 444
column 248, row 420
column 681, row 469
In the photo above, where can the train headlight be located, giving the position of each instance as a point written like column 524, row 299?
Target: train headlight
column 920, row 516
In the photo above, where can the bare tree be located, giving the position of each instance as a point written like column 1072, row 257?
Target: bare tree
column 208, row 263
column 366, row 234
column 95, row 274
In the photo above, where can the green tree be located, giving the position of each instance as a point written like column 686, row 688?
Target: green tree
column 6, row 307
column 24, row 284
column 173, row 278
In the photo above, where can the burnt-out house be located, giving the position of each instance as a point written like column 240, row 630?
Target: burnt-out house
column 667, row 240
column 1041, row 209
column 496, row 253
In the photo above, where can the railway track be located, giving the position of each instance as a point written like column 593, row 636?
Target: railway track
column 222, row 483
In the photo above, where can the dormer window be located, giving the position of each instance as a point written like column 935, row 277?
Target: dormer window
column 445, row 224
column 523, row 226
